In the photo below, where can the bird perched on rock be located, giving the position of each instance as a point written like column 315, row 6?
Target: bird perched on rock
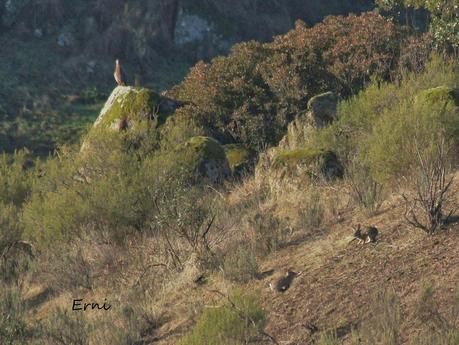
column 119, row 74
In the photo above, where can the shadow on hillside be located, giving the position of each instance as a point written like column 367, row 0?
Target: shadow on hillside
column 38, row 299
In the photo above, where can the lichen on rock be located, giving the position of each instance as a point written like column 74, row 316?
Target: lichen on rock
column 321, row 112
column 135, row 104
column 314, row 162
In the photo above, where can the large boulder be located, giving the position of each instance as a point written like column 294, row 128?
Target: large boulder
column 130, row 105
column 206, row 157
column 321, row 111
column 138, row 112
column 294, row 157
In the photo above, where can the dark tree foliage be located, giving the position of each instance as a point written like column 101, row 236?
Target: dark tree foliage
column 251, row 95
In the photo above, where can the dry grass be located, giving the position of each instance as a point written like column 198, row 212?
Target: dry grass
column 332, row 270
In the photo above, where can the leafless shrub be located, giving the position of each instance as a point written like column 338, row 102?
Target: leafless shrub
column 364, row 190
column 425, row 207
column 65, row 269
column 416, row 52
column 240, row 264
column 185, row 224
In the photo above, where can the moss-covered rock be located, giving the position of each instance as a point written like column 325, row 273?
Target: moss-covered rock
column 239, row 157
column 315, row 161
column 440, row 94
column 280, row 164
column 321, row 111
column 130, row 103
column 206, row 157
column 136, row 112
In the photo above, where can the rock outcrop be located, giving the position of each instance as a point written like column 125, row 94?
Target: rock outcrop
column 321, row 111
column 138, row 117
column 135, row 105
column 293, row 157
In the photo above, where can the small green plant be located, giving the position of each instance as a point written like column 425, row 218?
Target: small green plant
column 235, row 323
column 440, row 328
column 327, row 339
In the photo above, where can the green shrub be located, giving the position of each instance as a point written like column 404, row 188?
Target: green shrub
column 10, row 225
column 102, row 188
column 227, row 324
column 14, row 330
column 15, row 179
column 381, row 128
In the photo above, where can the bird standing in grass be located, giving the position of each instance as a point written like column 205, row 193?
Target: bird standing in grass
column 119, row 74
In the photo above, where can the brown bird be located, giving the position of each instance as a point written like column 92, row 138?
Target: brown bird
column 119, row 74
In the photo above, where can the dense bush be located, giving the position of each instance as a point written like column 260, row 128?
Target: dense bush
column 251, row 95
column 116, row 192
column 233, row 324
column 380, row 129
